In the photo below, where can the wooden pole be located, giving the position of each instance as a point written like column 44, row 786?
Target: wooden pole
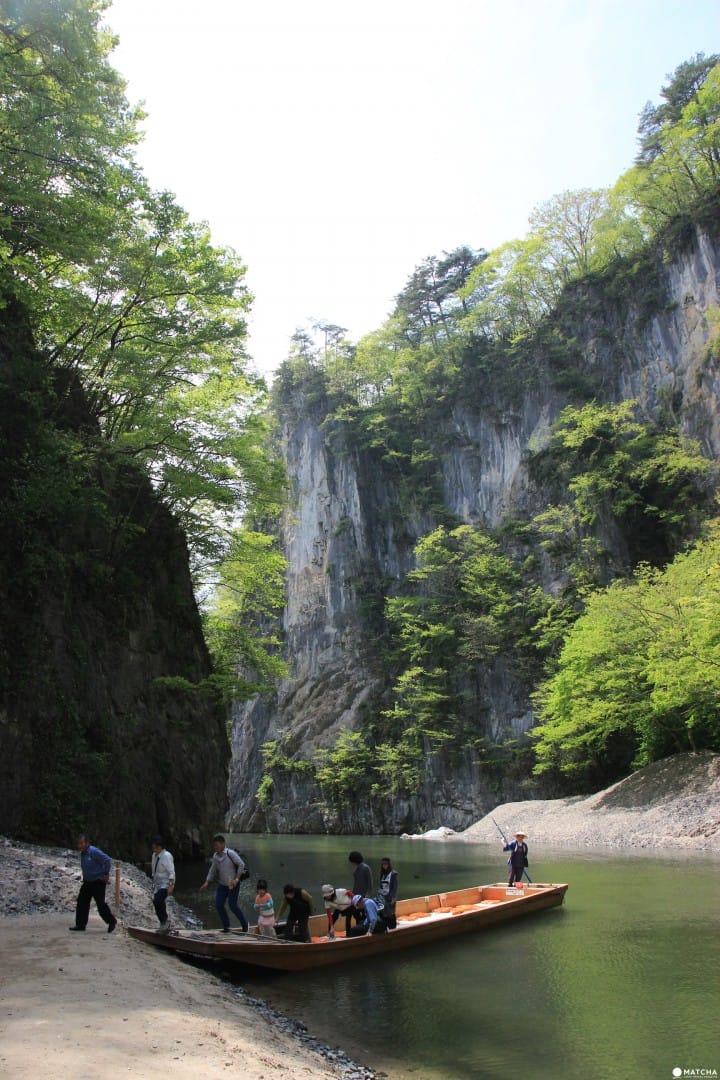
column 117, row 886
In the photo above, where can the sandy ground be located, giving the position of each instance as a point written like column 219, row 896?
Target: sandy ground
column 96, row 1005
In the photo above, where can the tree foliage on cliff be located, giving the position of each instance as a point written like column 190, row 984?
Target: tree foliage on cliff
column 638, row 676
column 654, row 485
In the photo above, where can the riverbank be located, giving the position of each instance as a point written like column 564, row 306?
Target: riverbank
column 99, row 1005
column 672, row 804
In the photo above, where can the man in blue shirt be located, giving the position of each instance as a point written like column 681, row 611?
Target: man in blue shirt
column 96, row 874
column 372, row 921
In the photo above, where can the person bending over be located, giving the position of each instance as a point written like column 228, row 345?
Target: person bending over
column 298, row 904
column 337, row 903
column 371, row 921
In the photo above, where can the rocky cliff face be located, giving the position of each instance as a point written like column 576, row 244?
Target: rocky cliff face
column 344, row 536
column 97, row 604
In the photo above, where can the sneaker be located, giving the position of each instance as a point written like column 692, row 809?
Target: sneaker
column 111, row 926
column 78, row 929
column 164, row 928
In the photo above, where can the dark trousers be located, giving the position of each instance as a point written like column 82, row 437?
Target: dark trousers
column 159, row 899
column 92, row 890
column 515, row 873
column 297, row 929
column 350, row 914
column 362, row 928
column 224, row 894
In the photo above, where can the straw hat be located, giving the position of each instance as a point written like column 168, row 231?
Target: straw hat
column 522, row 834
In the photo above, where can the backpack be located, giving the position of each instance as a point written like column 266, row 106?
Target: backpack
column 244, row 873
column 384, row 908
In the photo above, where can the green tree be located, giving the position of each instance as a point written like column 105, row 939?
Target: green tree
column 679, row 163
column 433, row 292
column 122, row 289
column 682, row 90
column 638, row 675
column 66, row 138
column 250, row 594
column 569, row 224
column 655, row 484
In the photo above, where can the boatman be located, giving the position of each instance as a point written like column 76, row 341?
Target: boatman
column 518, row 859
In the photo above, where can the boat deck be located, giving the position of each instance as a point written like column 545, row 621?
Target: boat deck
column 420, row 920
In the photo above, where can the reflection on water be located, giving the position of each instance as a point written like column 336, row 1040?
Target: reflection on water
column 621, row 982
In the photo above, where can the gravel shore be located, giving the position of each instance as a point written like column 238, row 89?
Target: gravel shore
column 672, row 804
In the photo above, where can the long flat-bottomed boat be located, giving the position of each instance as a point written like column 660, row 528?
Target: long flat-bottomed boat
column 420, row 920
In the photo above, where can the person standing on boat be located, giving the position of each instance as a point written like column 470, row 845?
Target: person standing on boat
column 298, row 903
column 337, row 902
column 362, row 885
column 163, row 879
column 518, row 859
column 226, row 868
column 95, row 865
column 371, row 922
column 265, row 908
column 389, row 890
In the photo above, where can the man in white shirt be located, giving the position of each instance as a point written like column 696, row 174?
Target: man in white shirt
column 163, row 878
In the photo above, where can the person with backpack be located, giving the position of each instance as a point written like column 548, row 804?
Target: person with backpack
column 389, row 890
column 228, row 870
column 371, row 918
column 518, row 858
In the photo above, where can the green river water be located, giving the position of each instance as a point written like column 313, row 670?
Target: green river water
column 620, row 983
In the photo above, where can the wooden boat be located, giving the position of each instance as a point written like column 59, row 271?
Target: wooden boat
column 419, row 921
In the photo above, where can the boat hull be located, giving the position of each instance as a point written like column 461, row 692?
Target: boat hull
column 421, row 920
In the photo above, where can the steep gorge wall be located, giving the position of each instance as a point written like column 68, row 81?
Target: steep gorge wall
column 97, row 604
column 346, row 531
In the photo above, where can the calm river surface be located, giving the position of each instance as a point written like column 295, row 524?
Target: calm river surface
column 620, row 983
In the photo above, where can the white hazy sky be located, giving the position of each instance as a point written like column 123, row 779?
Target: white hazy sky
column 336, row 144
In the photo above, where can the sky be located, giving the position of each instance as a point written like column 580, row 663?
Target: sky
column 334, row 144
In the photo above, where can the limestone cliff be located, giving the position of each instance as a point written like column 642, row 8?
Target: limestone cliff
column 97, row 604
column 350, row 532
